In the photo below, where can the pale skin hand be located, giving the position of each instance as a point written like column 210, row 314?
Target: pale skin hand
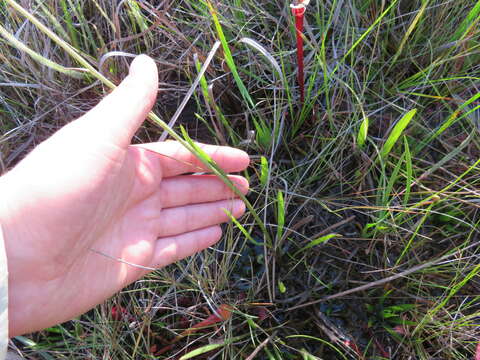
column 87, row 188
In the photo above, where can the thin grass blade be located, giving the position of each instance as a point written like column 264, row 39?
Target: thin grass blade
column 397, row 132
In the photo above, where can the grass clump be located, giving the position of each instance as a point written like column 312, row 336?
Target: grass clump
column 361, row 241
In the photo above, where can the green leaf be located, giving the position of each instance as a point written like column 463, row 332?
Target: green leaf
column 241, row 228
column 400, row 307
column 307, row 356
column 387, row 192
column 203, row 80
column 263, row 170
column 281, row 287
column 333, row 347
column 397, row 132
column 201, row 350
column 204, row 349
column 468, row 23
column 362, row 133
column 228, row 56
column 318, row 241
column 280, row 214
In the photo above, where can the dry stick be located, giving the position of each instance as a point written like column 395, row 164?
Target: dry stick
column 385, row 280
column 334, row 226
column 259, row 347
column 295, row 227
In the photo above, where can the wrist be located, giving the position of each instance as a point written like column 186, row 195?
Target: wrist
column 3, row 281
column 9, row 285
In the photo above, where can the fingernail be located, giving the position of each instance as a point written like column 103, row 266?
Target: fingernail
column 141, row 64
column 241, row 183
column 238, row 208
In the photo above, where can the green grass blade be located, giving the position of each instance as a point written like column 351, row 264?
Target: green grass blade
column 202, row 350
column 280, row 214
column 410, row 30
column 397, row 132
column 263, row 170
column 316, row 242
column 13, row 41
column 387, row 193
column 362, row 133
column 203, row 80
column 242, row 228
column 229, row 57
column 68, row 20
column 215, row 169
column 207, row 348
column 455, row 116
column 468, row 23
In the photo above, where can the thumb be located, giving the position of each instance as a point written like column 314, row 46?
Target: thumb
column 118, row 116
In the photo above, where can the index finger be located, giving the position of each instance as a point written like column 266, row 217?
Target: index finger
column 175, row 159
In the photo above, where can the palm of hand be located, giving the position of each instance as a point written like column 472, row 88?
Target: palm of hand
column 126, row 202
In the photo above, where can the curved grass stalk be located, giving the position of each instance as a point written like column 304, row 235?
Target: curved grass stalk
column 257, row 46
column 199, row 77
column 64, row 45
column 229, row 57
column 13, row 41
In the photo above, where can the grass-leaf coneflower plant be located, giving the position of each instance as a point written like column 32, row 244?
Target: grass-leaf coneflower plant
column 298, row 11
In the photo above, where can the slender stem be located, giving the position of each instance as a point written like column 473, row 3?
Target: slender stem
column 41, row 59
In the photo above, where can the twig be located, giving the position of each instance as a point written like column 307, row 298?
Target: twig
column 259, row 347
column 334, row 226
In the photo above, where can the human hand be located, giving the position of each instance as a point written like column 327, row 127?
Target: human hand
column 86, row 188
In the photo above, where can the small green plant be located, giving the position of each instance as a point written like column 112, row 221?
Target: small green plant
column 389, row 316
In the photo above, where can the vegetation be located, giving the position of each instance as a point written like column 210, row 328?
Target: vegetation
column 361, row 241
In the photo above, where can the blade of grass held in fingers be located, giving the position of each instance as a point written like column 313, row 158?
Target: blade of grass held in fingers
column 73, row 53
column 215, row 169
column 202, row 156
